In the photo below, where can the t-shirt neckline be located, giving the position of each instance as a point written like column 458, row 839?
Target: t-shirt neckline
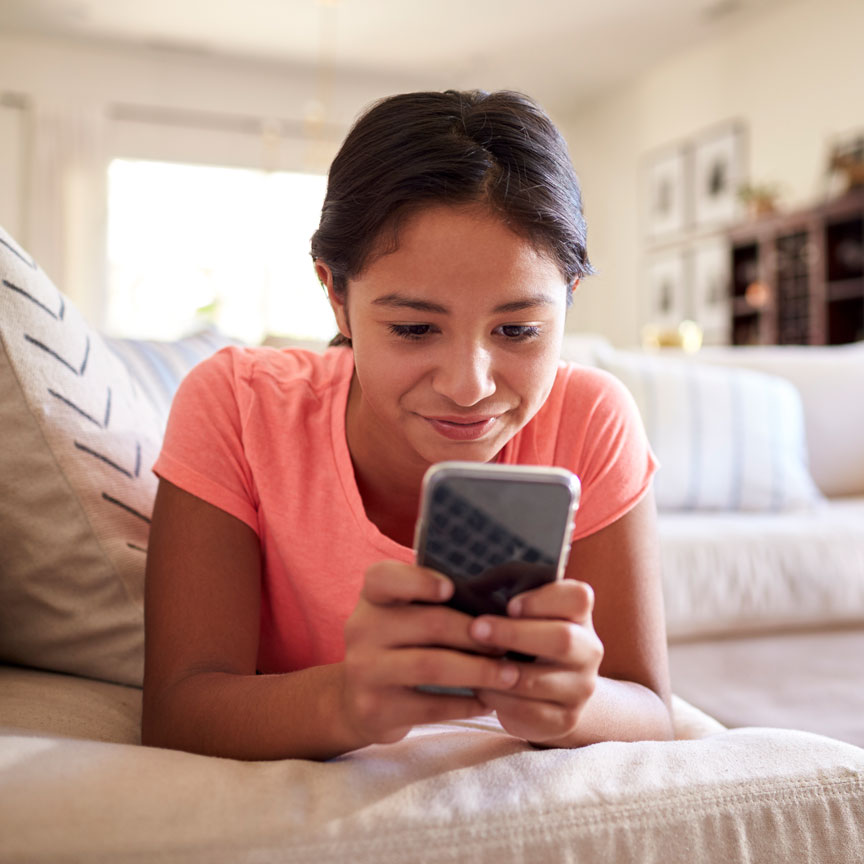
column 345, row 467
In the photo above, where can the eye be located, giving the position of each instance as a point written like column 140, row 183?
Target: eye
column 410, row 332
column 520, row 332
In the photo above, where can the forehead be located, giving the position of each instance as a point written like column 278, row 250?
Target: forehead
column 445, row 245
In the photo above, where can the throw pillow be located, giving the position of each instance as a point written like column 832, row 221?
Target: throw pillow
column 726, row 439
column 830, row 379
column 80, row 429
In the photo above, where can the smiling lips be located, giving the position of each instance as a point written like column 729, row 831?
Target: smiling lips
column 461, row 428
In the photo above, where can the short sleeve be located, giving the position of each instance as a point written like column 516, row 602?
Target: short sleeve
column 203, row 451
column 602, row 439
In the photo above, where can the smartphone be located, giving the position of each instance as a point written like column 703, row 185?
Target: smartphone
column 495, row 531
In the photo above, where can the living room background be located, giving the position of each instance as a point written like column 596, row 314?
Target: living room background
column 790, row 72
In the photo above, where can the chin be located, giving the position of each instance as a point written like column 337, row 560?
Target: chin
column 468, row 451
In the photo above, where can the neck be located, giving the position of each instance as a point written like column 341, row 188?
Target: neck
column 389, row 485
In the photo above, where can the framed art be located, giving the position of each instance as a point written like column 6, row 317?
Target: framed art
column 718, row 173
column 666, row 294
column 709, row 281
column 666, row 193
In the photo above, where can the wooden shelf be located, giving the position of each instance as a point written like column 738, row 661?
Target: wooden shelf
column 809, row 267
column 845, row 289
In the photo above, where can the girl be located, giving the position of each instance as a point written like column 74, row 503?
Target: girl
column 281, row 613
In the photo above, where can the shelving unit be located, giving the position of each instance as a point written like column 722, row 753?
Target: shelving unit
column 798, row 278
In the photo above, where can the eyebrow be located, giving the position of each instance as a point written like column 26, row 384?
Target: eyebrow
column 398, row 301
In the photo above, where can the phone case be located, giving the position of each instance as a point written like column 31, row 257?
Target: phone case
column 495, row 530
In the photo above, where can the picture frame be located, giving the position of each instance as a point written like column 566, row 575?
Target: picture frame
column 718, row 173
column 666, row 192
column 666, row 294
column 709, row 275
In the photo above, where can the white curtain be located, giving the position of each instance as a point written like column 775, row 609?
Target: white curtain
column 66, row 217
column 13, row 124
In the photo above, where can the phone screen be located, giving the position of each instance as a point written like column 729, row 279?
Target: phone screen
column 494, row 536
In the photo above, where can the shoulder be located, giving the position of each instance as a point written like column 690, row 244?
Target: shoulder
column 598, row 434
column 588, row 414
column 237, row 384
column 588, row 393
column 259, row 369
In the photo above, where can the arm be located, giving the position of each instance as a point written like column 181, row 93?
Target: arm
column 587, row 686
column 201, row 692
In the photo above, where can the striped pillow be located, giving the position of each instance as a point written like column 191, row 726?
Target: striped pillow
column 726, row 439
column 159, row 367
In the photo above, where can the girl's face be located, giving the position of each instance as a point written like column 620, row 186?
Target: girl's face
column 456, row 339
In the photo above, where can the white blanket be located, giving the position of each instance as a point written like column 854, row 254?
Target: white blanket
column 449, row 793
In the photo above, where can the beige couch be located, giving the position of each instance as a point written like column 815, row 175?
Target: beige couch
column 81, row 421
column 766, row 608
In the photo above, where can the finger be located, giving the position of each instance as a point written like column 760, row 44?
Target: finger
column 439, row 667
column 427, row 625
column 531, row 719
column 392, row 582
column 556, row 641
column 566, row 599
column 554, row 684
column 410, row 708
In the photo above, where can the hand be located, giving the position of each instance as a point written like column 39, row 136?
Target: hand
column 394, row 643
column 554, row 624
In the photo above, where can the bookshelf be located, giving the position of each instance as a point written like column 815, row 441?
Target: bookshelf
column 798, row 278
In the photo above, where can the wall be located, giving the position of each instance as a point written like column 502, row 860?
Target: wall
column 795, row 75
column 85, row 104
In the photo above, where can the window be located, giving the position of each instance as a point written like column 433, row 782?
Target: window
column 193, row 245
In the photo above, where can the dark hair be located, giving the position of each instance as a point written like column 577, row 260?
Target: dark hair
column 417, row 149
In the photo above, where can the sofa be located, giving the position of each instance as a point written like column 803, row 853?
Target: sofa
column 82, row 416
column 761, row 498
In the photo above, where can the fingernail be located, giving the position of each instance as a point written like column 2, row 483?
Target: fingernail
column 508, row 674
column 481, row 630
column 514, row 607
column 445, row 587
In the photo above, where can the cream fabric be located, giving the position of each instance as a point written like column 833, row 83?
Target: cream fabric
column 80, row 433
column 449, row 793
column 724, row 573
column 830, row 380
column 66, row 706
column 727, row 439
column 75, row 486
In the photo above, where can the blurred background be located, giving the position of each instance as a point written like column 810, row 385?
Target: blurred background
column 165, row 161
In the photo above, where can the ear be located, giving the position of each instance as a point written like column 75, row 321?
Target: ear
column 571, row 291
column 337, row 303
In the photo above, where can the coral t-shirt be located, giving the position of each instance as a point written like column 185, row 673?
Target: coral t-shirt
column 260, row 433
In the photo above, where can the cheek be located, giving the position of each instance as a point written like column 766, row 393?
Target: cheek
column 534, row 376
column 385, row 376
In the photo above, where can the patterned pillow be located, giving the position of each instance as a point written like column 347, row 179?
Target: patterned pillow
column 80, row 429
column 726, row 439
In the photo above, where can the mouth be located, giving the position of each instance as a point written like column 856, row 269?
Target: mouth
column 462, row 428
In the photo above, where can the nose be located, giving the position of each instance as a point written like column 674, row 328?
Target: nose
column 464, row 376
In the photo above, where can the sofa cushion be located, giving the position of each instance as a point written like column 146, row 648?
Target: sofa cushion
column 80, row 432
column 726, row 574
column 726, row 439
column 449, row 792
column 68, row 706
